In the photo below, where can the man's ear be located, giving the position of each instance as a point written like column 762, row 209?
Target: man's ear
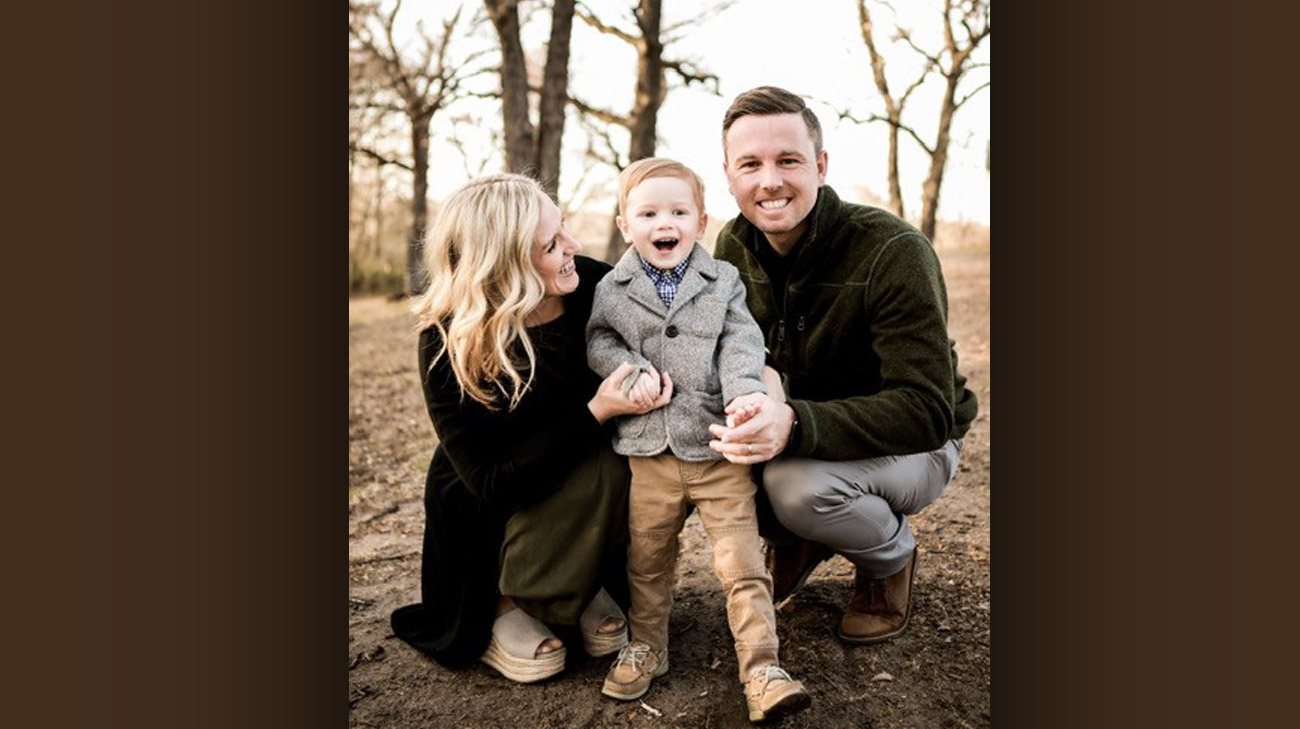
column 823, row 160
column 622, row 227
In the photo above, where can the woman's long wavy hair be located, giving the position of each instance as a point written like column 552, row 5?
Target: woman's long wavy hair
column 482, row 285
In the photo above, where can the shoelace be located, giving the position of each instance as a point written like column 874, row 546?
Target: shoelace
column 633, row 655
column 770, row 674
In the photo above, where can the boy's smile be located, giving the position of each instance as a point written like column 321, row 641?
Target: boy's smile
column 663, row 222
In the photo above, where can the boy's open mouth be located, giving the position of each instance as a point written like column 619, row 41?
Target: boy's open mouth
column 665, row 244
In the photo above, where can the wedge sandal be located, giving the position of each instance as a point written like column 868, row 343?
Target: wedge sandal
column 516, row 636
column 602, row 608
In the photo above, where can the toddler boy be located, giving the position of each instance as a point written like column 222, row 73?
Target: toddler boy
column 671, row 308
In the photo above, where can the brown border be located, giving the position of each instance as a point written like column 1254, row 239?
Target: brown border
column 179, row 348
column 1140, row 461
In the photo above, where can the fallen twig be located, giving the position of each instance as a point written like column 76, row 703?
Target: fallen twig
column 388, row 558
column 379, row 514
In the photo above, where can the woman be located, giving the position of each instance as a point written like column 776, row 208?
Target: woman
column 525, row 501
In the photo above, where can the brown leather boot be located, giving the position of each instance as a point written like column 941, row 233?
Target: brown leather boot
column 879, row 609
column 791, row 566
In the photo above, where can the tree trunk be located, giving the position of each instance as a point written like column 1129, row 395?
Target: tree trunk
column 416, row 279
column 938, row 160
column 615, row 246
column 650, row 94
column 649, row 84
column 895, row 187
column 514, row 86
column 555, row 97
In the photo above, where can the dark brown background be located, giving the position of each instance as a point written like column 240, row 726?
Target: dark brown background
column 174, row 367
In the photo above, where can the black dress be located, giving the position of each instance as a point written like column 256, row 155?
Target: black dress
column 543, row 475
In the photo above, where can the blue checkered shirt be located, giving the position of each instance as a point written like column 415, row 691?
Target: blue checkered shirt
column 666, row 282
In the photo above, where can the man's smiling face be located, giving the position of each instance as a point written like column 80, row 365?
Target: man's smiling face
column 774, row 173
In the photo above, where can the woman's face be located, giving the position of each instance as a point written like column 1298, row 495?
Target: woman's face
column 553, row 251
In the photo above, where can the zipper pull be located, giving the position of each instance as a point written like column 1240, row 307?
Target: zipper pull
column 780, row 331
column 800, row 327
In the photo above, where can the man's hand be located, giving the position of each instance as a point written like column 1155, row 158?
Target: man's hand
column 761, row 436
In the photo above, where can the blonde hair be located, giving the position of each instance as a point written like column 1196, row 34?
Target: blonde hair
column 482, row 285
column 644, row 169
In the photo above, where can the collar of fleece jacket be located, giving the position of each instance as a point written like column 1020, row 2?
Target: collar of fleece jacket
column 821, row 221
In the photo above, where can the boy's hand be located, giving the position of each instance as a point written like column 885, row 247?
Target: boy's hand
column 612, row 401
column 743, row 408
column 646, row 389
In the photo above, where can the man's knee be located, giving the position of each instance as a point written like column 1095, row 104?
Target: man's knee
column 799, row 492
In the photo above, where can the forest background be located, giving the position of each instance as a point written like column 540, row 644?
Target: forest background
column 572, row 92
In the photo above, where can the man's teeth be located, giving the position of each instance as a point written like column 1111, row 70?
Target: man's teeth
column 774, row 204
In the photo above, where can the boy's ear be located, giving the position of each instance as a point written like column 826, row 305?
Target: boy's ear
column 704, row 224
column 622, row 227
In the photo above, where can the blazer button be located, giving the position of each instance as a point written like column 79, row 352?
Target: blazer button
column 671, row 331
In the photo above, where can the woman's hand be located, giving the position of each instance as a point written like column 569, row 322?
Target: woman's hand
column 610, row 400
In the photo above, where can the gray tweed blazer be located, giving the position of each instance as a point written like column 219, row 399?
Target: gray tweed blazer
column 707, row 342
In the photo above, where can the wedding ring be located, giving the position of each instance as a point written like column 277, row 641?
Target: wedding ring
column 751, row 448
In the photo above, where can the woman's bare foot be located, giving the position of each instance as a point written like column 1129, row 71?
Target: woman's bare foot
column 505, row 605
column 611, row 625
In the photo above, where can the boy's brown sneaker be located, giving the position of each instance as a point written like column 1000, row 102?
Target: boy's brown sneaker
column 637, row 665
column 771, row 693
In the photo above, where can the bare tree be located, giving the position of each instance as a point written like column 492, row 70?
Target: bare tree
column 965, row 25
column 893, row 106
column 415, row 85
column 649, row 39
column 533, row 149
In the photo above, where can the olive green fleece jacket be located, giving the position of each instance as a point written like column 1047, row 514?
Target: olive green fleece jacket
column 862, row 341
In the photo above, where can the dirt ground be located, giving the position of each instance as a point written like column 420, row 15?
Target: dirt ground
column 936, row 675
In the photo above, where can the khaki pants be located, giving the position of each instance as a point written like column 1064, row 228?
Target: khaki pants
column 723, row 492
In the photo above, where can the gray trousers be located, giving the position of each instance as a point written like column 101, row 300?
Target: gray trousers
column 857, row 508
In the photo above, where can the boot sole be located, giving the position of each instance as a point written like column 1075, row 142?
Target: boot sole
column 523, row 670
column 791, row 703
column 868, row 639
column 614, row 693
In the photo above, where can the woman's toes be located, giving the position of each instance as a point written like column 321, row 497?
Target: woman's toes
column 549, row 646
column 611, row 625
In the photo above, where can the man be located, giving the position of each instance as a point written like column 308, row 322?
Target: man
column 854, row 311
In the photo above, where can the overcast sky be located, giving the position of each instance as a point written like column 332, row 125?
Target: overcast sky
column 813, row 48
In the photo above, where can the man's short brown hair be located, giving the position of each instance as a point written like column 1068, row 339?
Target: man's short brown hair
column 766, row 100
column 644, row 169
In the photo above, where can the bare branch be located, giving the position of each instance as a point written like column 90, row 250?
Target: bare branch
column 588, row 17
column 610, row 155
column 358, row 106
column 849, row 116
column 713, row 11
column 381, row 159
column 604, row 115
column 690, row 75
column 966, row 98
column 905, row 35
column 925, row 73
